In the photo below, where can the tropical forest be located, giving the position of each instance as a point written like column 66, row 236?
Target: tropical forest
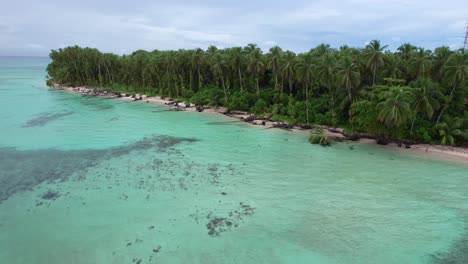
column 411, row 93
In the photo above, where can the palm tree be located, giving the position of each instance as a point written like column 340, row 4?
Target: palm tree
column 250, row 48
column 393, row 66
column 288, row 68
column 425, row 100
column 211, row 50
column 348, row 76
column 218, row 66
column 273, row 62
column 450, row 129
column 305, row 70
column 326, row 74
column 374, row 57
column 420, row 64
column 440, row 57
column 197, row 60
column 396, row 109
column 406, row 51
column 237, row 61
column 321, row 50
column 456, row 74
column 255, row 66
column 326, row 70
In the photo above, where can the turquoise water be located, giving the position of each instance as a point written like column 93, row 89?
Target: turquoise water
column 92, row 180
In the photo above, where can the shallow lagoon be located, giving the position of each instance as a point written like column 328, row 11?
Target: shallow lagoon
column 92, row 180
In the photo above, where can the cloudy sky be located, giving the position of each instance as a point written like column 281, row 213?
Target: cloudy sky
column 33, row 27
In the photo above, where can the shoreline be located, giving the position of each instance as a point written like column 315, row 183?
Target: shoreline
column 434, row 152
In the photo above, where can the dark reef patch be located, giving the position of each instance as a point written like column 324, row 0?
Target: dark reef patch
column 218, row 225
column 22, row 170
column 45, row 118
column 50, row 195
column 178, row 173
column 165, row 143
column 458, row 253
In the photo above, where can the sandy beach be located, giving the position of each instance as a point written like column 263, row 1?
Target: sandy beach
column 435, row 152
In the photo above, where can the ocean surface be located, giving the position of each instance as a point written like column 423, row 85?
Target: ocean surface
column 92, row 180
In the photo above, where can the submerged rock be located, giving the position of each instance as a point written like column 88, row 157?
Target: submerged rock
column 50, row 195
column 250, row 118
column 156, row 250
column 383, row 141
column 199, row 108
column 283, row 126
column 352, row 137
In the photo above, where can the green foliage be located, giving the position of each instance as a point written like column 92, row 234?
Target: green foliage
column 319, row 136
column 320, row 109
column 364, row 116
column 296, row 111
column 422, row 134
column 208, row 96
column 396, row 110
column 241, row 100
column 452, row 130
column 260, row 107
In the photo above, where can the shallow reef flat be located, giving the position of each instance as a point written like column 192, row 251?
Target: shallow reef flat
column 91, row 180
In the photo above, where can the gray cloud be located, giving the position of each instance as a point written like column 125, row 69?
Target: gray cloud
column 30, row 27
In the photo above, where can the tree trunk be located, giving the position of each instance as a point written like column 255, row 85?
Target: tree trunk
column 412, row 125
column 416, row 110
column 290, row 86
column 282, row 85
column 240, row 78
column 276, row 79
column 182, row 86
column 332, row 107
column 108, row 75
column 199, row 76
column 375, row 69
column 307, row 102
column 445, row 107
column 100, row 75
column 348, row 88
column 258, row 87
column 190, row 80
column 224, row 88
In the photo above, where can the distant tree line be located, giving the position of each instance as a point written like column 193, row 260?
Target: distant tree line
column 413, row 93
